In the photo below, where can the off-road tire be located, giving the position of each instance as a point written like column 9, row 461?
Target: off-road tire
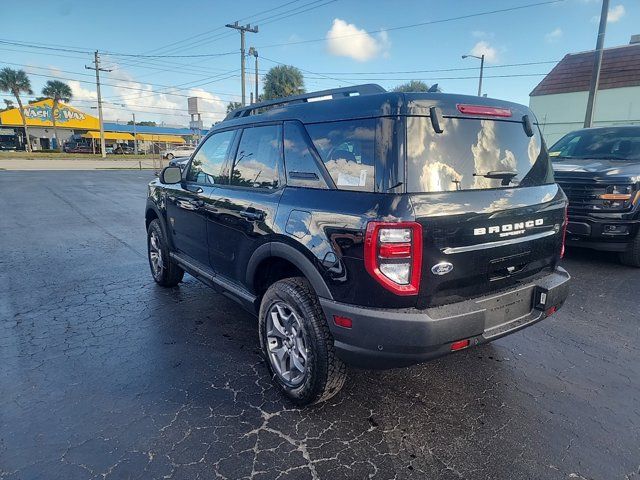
column 170, row 274
column 632, row 256
column 326, row 373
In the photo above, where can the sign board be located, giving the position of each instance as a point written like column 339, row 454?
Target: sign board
column 40, row 114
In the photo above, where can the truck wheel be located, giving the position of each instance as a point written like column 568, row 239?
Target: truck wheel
column 632, row 256
column 297, row 343
column 165, row 272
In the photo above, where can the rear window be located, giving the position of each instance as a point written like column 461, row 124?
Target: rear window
column 614, row 144
column 347, row 149
column 473, row 154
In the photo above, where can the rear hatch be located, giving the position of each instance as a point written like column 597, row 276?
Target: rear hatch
column 481, row 185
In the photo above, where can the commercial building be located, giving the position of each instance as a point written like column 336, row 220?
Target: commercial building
column 560, row 99
column 73, row 124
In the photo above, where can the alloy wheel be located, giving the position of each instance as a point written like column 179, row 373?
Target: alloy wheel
column 286, row 344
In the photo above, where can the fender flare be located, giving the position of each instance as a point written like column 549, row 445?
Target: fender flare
column 291, row 254
column 151, row 206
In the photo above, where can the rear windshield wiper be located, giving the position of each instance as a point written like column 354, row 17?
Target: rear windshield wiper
column 505, row 175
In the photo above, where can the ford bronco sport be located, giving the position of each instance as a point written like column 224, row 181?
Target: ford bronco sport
column 368, row 228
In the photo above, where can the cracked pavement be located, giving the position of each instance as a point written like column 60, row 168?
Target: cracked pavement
column 104, row 375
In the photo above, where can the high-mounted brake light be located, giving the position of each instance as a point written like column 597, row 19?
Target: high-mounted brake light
column 393, row 255
column 484, row 110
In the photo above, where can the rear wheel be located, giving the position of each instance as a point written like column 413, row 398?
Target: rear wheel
column 164, row 270
column 632, row 256
column 297, row 343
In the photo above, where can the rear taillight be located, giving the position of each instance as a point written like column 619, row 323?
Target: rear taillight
column 393, row 255
column 484, row 111
column 564, row 230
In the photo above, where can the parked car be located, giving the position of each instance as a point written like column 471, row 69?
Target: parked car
column 368, row 228
column 181, row 151
column 179, row 162
column 599, row 170
column 74, row 147
column 122, row 149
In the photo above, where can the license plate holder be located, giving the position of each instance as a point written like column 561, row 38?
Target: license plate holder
column 503, row 309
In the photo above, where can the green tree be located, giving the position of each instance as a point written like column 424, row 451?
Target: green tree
column 143, row 124
column 38, row 99
column 412, row 86
column 17, row 82
column 58, row 91
column 8, row 105
column 283, row 81
column 231, row 106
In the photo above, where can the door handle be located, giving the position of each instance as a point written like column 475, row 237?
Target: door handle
column 252, row 214
column 197, row 203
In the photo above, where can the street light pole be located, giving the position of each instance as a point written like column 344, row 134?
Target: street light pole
column 481, row 58
column 597, row 64
column 254, row 52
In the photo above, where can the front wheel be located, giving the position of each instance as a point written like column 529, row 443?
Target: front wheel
column 164, row 270
column 632, row 256
column 169, row 156
column 297, row 343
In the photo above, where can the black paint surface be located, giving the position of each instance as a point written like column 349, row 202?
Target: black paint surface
column 105, row 375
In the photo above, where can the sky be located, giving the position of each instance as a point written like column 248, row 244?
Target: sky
column 162, row 52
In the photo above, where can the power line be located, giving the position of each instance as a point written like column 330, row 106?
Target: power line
column 421, row 24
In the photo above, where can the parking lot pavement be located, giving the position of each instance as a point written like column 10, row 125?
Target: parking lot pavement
column 105, row 375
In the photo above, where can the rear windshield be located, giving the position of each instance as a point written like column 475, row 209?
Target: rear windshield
column 473, row 154
column 613, row 144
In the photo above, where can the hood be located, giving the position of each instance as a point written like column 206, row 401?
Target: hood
column 598, row 169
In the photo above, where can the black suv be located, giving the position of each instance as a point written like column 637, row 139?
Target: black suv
column 599, row 170
column 365, row 227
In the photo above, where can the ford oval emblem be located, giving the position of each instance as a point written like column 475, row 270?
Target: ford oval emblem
column 441, row 268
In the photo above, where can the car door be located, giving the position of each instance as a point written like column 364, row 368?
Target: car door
column 190, row 202
column 246, row 208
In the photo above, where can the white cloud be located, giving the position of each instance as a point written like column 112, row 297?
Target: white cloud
column 346, row 40
column 614, row 15
column 125, row 96
column 484, row 48
column 553, row 36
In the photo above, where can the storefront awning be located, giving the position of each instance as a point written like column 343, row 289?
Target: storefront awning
column 109, row 135
column 156, row 137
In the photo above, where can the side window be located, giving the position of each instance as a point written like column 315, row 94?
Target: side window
column 256, row 163
column 347, row 150
column 302, row 170
column 208, row 163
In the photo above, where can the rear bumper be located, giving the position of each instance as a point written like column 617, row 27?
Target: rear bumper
column 382, row 338
column 601, row 233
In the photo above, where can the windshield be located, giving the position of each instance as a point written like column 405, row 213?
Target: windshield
column 473, row 154
column 609, row 143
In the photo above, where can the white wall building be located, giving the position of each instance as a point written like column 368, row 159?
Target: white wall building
column 560, row 99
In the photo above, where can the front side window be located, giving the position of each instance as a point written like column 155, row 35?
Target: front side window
column 207, row 166
column 473, row 154
column 256, row 163
column 347, row 149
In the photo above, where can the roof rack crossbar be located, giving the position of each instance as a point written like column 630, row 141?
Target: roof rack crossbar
column 334, row 93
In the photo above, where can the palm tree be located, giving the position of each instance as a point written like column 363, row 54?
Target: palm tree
column 17, row 82
column 58, row 91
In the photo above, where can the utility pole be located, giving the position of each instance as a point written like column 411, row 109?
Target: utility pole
column 135, row 140
column 597, row 64
column 96, row 67
column 254, row 52
column 242, row 30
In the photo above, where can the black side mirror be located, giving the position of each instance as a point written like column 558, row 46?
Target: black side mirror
column 171, row 175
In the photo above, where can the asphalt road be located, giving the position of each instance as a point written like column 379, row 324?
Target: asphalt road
column 105, row 375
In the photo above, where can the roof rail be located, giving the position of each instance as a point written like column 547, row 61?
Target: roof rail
column 334, row 93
